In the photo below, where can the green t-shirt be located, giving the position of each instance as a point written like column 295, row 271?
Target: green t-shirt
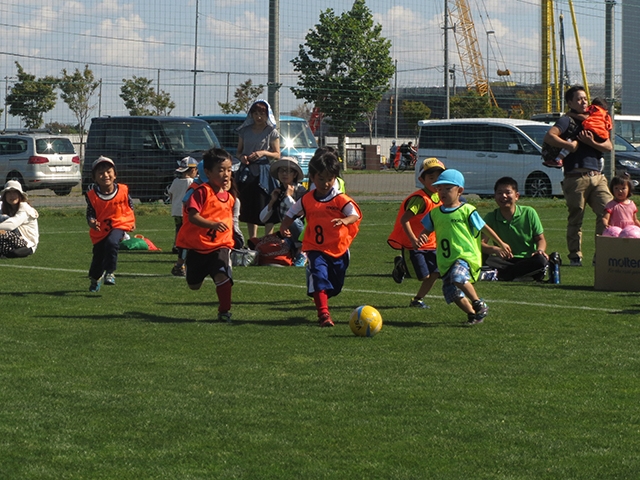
column 519, row 232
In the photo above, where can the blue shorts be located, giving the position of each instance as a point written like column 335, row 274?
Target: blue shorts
column 424, row 262
column 201, row 265
column 460, row 272
column 325, row 272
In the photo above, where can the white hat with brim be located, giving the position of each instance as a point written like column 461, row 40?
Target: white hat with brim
column 102, row 159
column 286, row 162
column 13, row 185
column 186, row 163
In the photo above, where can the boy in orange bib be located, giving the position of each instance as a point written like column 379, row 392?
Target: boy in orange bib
column 109, row 215
column 207, row 231
column 332, row 223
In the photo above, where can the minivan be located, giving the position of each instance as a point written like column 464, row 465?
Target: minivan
column 296, row 138
column 39, row 160
column 485, row 149
column 146, row 150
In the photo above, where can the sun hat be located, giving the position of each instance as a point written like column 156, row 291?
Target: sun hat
column 102, row 159
column 14, row 185
column 450, row 177
column 431, row 163
column 290, row 162
column 186, row 163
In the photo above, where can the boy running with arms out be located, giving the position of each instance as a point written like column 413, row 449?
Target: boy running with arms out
column 407, row 229
column 109, row 215
column 207, row 231
column 332, row 224
column 458, row 226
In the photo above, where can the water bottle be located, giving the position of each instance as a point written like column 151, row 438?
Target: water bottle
column 554, row 274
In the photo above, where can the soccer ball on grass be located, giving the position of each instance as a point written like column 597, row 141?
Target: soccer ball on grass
column 365, row 321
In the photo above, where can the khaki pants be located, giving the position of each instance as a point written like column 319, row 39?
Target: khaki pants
column 579, row 191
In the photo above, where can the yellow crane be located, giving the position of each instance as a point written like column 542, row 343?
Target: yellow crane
column 467, row 43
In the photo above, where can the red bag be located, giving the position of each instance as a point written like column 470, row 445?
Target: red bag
column 272, row 250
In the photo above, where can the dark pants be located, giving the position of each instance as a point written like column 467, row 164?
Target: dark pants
column 105, row 254
column 512, row 268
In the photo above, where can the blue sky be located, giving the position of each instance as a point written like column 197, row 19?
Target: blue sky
column 155, row 39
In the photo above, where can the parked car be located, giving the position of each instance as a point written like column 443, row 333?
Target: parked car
column 296, row 138
column 485, row 149
column 146, row 150
column 39, row 160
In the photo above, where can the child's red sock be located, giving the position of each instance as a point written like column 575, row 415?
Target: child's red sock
column 224, row 295
column 322, row 302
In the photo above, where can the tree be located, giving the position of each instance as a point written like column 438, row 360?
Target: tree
column 471, row 104
column 244, row 95
column 344, row 67
column 31, row 98
column 77, row 89
column 141, row 98
column 303, row 111
column 413, row 112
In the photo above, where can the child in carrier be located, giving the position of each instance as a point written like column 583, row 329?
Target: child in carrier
column 596, row 120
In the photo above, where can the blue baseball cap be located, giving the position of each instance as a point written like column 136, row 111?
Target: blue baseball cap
column 450, row 177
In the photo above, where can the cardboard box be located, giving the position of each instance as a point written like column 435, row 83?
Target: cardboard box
column 617, row 264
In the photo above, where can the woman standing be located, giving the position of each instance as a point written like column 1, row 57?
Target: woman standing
column 18, row 223
column 259, row 144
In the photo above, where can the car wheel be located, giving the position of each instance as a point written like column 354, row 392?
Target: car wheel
column 62, row 191
column 537, row 185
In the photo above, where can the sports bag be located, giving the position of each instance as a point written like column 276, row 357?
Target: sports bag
column 272, row 250
column 243, row 257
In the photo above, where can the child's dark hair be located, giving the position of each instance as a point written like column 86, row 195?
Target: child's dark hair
column 213, row 156
column 507, row 182
column 325, row 159
column 600, row 102
column 623, row 179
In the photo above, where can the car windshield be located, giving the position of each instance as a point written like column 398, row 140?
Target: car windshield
column 623, row 146
column 49, row 146
column 535, row 132
column 187, row 136
column 296, row 135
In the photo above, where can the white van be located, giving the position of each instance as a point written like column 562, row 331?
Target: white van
column 628, row 127
column 485, row 149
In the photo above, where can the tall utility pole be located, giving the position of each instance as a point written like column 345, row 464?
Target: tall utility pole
column 446, row 60
column 195, row 63
column 609, row 74
column 273, row 82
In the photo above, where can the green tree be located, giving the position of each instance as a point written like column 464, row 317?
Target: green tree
column 413, row 112
column 471, row 104
column 344, row 67
column 244, row 95
column 303, row 111
column 141, row 98
column 31, row 98
column 77, row 89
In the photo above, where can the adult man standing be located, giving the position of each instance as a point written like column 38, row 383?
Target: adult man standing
column 583, row 181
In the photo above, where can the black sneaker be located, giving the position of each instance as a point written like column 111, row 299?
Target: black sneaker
column 399, row 269
column 474, row 319
column 481, row 309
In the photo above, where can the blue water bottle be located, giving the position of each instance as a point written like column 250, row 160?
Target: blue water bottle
column 554, row 274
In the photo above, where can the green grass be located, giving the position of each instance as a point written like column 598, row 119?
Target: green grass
column 138, row 382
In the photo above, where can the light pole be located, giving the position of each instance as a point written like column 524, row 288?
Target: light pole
column 489, row 32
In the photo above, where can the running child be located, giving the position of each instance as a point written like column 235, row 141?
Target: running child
column 333, row 220
column 109, row 215
column 458, row 226
column 187, row 170
column 207, row 231
column 407, row 229
column 621, row 211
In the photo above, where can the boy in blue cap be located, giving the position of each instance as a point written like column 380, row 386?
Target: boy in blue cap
column 458, row 226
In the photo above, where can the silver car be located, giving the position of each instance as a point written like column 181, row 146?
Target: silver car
column 39, row 160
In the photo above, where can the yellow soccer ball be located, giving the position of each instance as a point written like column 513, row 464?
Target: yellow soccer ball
column 365, row 321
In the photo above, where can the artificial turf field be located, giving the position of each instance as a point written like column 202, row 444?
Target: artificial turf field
column 137, row 381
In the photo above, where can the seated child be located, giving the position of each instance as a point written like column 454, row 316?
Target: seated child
column 19, row 232
column 621, row 211
column 407, row 229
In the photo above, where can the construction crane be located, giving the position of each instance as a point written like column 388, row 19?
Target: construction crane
column 470, row 57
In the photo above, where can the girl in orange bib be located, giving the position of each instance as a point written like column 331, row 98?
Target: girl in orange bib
column 332, row 223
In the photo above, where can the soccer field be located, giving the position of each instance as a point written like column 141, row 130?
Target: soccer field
column 137, row 381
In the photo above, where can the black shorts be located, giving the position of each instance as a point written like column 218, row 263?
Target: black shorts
column 201, row 265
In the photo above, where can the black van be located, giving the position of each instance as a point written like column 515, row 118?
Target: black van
column 146, row 150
